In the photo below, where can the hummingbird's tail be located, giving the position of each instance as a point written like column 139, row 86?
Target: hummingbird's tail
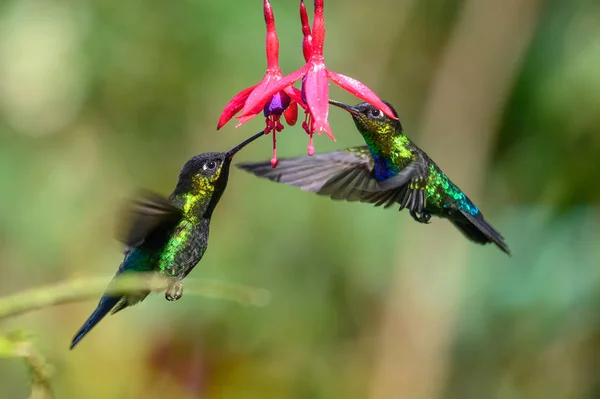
column 476, row 229
column 104, row 306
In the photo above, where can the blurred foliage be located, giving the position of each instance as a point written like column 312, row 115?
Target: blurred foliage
column 18, row 345
column 101, row 98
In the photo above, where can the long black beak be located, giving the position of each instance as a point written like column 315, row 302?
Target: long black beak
column 229, row 155
column 346, row 107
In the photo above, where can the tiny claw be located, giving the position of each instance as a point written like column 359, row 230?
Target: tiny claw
column 174, row 292
column 274, row 162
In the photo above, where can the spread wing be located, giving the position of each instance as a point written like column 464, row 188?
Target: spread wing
column 147, row 215
column 406, row 188
column 339, row 175
column 342, row 175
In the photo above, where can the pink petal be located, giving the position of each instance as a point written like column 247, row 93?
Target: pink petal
column 361, row 91
column 317, row 97
column 258, row 99
column 234, row 106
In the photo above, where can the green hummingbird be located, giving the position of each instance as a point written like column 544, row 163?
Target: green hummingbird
column 170, row 236
column 389, row 169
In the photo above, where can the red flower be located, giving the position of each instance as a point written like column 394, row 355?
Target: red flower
column 284, row 101
column 314, row 96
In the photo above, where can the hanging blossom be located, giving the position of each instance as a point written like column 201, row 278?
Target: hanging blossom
column 275, row 94
column 279, row 102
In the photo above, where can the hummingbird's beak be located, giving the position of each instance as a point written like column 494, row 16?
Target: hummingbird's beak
column 229, row 155
column 346, row 107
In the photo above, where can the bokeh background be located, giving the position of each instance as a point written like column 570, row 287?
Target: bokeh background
column 101, row 98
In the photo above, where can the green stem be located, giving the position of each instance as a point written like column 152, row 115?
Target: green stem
column 90, row 288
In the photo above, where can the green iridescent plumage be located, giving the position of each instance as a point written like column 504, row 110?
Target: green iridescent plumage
column 390, row 169
column 170, row 236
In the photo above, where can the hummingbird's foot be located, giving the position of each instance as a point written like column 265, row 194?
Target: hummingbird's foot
column 422, row 217
column 175, row 291
column 414, row 199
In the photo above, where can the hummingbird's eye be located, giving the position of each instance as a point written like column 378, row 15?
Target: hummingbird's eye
column 210, row 165
column 375, row 113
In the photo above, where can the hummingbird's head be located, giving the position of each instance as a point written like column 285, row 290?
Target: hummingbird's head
column 207, row 173
column 200, row 174
column 370, row 119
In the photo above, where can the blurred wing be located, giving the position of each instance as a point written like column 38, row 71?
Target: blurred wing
column 340, row 174
column 146, row 215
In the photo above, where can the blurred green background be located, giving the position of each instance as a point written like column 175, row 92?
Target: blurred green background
column 101, row 98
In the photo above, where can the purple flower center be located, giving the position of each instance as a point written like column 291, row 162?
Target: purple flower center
column 277, row 104
column 303, row 90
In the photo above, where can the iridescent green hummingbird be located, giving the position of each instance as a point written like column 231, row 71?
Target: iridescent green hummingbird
column 170, row 236
column 389, row 169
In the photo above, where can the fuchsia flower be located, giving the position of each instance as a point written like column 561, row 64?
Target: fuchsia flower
column 275, row 94
column 283, row 101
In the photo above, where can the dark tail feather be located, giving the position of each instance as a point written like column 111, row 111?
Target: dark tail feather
column 476, row 229
column 104, row 306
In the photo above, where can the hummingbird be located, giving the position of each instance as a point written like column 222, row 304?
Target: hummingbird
column 169, row 236
column 390, row 169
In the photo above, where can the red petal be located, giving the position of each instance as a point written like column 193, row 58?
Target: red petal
column 269, row 17
column 361, row 91
column 318, row 30
column 295, row 95
column 259, row 98
column 244, row 119
column 272, row 44
column 291, row 113
column 304, row 19
column 317, row 97
column 258, row 95
column 307, row 40
column 234, row 106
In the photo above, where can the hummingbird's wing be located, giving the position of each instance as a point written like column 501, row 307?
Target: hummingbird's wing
column 406, row 188
column 342, row 175
column 149, row 213
column 335, row 173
